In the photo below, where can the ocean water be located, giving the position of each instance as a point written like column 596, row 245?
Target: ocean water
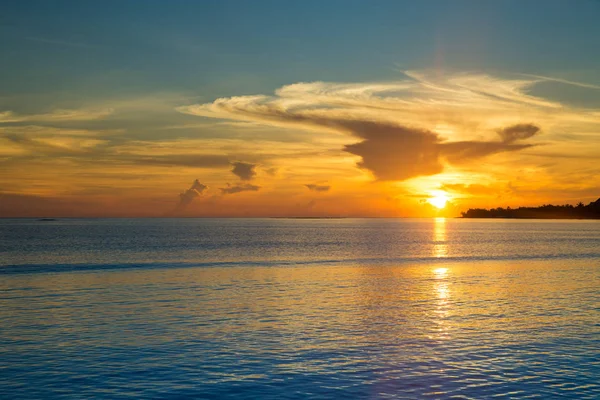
column 299, row 308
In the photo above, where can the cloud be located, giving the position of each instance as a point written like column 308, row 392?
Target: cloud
column 272, row 171
column 244, row 171
column 189, row 195
column 406, row 129
column 239, row 188
column 20, row 143
column 318, row 188
column 397, row 152
column 53, row 146
column 49, row 131
column 464, row 152
column 518, row 132
column 57, row 116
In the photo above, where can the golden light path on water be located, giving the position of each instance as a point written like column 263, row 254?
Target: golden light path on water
column 441, row 285
column 440, row 246
column 443, row 302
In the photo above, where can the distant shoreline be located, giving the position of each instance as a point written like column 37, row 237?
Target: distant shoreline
column 537, row 217
column 548, row 211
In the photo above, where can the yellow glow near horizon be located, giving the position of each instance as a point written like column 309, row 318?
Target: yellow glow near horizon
column 438, row 199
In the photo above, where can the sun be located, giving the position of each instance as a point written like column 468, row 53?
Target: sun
column 438, row 199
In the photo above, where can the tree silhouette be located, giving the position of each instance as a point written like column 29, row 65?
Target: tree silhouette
column 581, row 211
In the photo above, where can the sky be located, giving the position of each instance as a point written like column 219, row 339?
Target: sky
column 309, row 108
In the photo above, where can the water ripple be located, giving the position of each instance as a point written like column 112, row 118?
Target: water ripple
column 461, row 327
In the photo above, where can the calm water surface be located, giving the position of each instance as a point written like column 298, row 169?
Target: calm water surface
column 277, row 308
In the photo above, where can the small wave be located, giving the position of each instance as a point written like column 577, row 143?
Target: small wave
column 66, row 267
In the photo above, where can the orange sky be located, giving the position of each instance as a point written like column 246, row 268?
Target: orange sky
column 310, row 149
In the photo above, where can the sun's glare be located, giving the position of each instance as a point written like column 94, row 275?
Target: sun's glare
column 438, row 199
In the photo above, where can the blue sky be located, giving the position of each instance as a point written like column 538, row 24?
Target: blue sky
column 222, row 48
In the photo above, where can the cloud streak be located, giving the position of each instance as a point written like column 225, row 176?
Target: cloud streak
column 318, row 188
column 56, row 116
column 239, row 188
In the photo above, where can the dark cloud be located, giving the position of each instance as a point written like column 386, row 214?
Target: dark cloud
column 518, row 132
column 394, row 152
column 239, row 188
column 189, row 195
column 245, row 171
column 318, row 188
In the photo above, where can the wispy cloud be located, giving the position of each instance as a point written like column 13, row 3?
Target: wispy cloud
column 565, row 81
column 413, row 127
column 40, row 145
column 56, row 115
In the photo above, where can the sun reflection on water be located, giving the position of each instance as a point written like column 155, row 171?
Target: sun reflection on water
column 440, row 247
column 441, row 285
column 441, row 291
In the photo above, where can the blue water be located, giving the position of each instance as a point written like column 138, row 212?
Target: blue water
column 288, row 308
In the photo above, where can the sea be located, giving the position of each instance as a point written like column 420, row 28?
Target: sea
column 299, row 309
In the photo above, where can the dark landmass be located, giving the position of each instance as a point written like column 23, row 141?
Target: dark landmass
column 47, row 219
column 548, row 211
